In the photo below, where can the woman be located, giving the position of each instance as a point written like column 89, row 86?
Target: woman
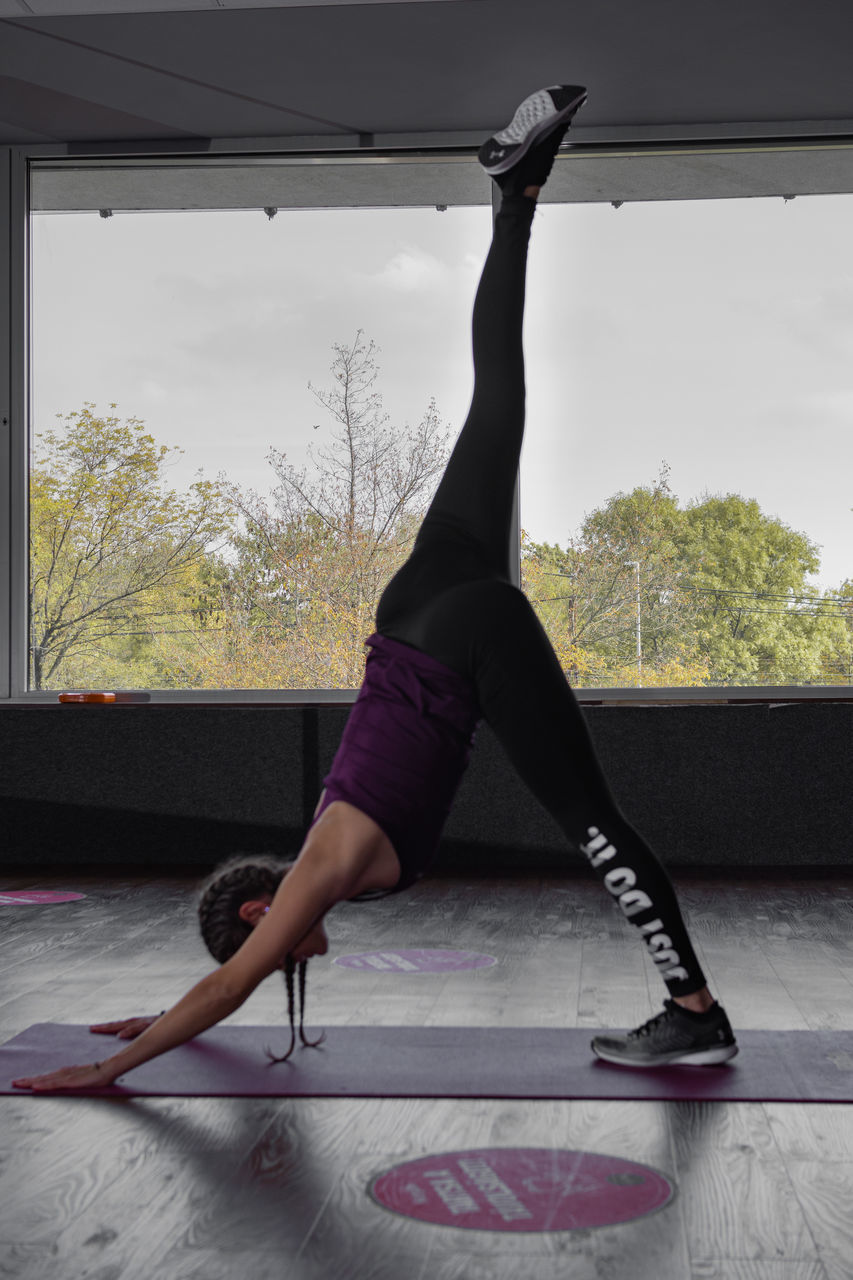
column 455, row 642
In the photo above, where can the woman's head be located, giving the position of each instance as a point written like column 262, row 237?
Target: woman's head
column 242, row 879
column 229, row 907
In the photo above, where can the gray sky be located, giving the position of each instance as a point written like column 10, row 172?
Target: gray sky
column 716, row 335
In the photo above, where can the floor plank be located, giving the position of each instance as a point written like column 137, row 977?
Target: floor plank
column 825, row 1191
column 198, row 1189
column 741, row 1269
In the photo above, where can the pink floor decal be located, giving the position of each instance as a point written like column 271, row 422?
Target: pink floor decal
column 416, row 961
column 36, row 897
column 522, row 1189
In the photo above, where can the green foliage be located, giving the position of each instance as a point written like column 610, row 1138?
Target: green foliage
column 761, row 622
column 310, row 562
column 723, row 597
column 115, row 553
column 136, row 585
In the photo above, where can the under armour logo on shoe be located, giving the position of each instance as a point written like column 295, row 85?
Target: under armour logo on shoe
column 497, row 153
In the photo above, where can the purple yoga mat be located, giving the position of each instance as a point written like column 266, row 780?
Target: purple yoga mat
column 444, row 1062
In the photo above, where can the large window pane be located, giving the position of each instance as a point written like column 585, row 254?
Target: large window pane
column 686, row 493
column 684, row 484
column 237, row 421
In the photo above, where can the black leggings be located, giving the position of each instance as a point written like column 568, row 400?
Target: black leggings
column 453, row 600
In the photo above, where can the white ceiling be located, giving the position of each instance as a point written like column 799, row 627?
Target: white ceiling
column 141, row 71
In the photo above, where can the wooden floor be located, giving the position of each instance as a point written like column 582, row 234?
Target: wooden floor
column 215, row 1189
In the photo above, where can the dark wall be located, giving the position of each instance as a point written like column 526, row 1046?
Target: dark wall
column 175, row 788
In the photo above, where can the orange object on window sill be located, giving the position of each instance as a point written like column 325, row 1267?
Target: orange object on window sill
column 87, row 697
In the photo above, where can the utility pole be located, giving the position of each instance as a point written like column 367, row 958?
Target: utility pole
column 572, row 624
column 635, row 564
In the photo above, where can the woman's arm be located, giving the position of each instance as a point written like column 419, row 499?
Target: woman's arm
column 320, row 877
column 205, row 1004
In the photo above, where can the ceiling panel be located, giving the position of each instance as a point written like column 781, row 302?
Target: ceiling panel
column 125, row 84
column 66, row 8
column 39, row 109
column 432, row 67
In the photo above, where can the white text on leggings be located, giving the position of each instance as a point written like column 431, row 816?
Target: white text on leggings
column 621, row 882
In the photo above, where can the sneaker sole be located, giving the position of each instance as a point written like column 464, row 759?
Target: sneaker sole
column 518, row 150
column 701, row 1058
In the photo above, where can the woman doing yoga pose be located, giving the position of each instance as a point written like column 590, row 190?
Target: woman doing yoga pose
column 455, row 642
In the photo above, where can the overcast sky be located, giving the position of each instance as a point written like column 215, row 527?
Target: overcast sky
column 715, row 335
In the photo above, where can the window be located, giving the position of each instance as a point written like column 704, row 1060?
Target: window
column 201, row 330
column 239, row 414
column 685, row 494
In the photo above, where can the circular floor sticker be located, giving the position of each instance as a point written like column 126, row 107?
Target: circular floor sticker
column 417, row 961
column 522, row 1189
column 36, row 897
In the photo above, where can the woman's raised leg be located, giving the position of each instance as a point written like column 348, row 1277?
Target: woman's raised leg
column 474, row 498
column 465, row 533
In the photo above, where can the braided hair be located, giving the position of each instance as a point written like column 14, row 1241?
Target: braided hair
column 221, row 896
column 289, row 970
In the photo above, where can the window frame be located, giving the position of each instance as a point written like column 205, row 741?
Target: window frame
column 15, row 346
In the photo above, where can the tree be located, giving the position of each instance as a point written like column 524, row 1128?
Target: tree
column 312, row 560
column 586, row 594
column 837, row 648
column 723, row 597
column 761, row 622
column 115, row 552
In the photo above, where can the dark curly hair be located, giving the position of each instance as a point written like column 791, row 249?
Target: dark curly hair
column 222, row 894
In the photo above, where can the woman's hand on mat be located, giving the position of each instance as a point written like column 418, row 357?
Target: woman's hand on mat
column 96, row 1075
column 126, row 1029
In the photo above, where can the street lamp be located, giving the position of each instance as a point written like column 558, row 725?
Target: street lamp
column 635, row 564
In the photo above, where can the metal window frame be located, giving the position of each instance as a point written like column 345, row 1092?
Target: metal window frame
column 15, row 397
column 6, row 306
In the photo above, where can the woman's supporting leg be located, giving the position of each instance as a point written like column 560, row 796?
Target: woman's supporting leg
column 525, row 697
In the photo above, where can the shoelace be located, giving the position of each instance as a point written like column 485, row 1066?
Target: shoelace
column 648, row 1027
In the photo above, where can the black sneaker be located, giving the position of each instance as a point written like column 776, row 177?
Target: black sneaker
column 672, row 1037
column 535, row 133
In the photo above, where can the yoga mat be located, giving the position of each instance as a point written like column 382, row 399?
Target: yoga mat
column 443, row 1062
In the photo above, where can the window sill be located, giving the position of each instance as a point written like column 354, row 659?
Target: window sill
column 282, row 698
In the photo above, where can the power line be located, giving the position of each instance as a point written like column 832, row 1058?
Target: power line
column 846, row 601
column 782, row 613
